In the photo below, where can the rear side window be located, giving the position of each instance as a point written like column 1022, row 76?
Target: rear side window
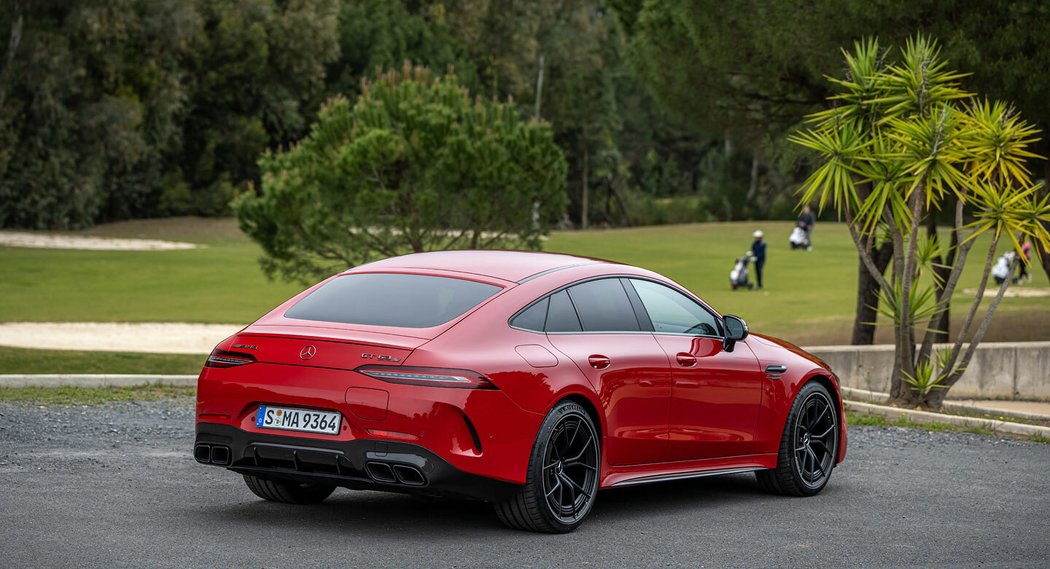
column 561, row 316
column 603, row 306
column 406, row 301
column 532, row 318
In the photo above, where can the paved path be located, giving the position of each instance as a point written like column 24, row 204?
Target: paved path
column 38, row 240
column 1040, row 408
column 115, row 486
column 149, row 337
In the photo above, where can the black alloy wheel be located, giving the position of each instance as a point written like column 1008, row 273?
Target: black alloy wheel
column 808, row 447
column 562, row 480
column 570, row 468
column 816, row 439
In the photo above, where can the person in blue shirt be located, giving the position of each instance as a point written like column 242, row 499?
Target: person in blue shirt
column 758, row 251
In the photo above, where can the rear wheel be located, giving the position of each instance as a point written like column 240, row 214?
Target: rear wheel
column 808, row 447
column 562, row 479
column 287, row 492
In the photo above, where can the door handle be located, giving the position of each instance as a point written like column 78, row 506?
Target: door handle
column 598, row 361
column 776, row 369
column 685, row 359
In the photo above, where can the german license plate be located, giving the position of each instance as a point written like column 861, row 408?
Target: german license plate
column 306, row 420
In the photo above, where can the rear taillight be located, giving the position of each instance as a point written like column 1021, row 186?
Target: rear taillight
column 222, row 358
column 428, row 376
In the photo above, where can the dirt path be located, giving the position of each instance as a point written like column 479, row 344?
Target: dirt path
column 161, row 338
column 56, row 241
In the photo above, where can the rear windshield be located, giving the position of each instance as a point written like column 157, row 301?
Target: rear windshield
column 407, row 301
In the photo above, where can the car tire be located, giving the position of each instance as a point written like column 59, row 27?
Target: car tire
column 808, row 447
column 288, row 492
column 563, row 474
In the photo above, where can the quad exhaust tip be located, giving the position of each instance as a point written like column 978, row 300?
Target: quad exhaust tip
column 409, row 475
column 395, row 474
column 381, row 472
column 208, row 454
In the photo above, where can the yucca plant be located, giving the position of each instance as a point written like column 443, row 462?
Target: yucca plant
column 901, row 139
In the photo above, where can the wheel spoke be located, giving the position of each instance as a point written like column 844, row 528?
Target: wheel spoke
column 824, row 434
column 816, row 423
column 816, row 461
column 572, row 439
column 583, row 464
column 583, row 450
column 568, row 484
column 557, row 485
column 572, row 484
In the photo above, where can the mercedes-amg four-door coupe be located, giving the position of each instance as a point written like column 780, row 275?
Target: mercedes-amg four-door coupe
column 528, row 380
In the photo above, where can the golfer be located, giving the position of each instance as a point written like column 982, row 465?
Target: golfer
column 758, row 251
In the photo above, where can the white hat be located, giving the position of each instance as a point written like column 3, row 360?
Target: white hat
column 758, row 233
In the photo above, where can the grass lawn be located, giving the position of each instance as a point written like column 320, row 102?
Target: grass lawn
column 94, row 395
column 17, row 360
column 809, row 296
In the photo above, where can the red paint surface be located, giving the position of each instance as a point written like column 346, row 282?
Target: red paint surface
column 658, row 412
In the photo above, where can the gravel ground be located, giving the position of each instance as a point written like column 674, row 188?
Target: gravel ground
column 114, row 485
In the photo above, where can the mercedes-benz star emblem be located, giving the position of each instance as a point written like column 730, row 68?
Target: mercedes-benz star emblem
column 307, row 352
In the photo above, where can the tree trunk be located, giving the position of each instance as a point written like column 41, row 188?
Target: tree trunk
column 1044, row 254
column 584, row 207
column 868, row 297
column 13, row 40
column 942, row 268
column 539, row 86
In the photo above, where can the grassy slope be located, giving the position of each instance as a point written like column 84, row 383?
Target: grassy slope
column 809, row 297
column 16, row 360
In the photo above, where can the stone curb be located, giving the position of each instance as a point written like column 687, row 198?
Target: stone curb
column 106, row 380
column 865, row 396
column 94, row 380
column 999, row 427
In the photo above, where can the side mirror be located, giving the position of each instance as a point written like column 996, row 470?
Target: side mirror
column 736, row 330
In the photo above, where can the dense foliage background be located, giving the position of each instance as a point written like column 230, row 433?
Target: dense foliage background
column 666, row 111
column 413, row 165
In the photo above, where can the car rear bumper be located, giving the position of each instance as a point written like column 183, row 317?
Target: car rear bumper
column 361, row 464
column 477, row 431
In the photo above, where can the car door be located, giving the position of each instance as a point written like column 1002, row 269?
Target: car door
column 716, row 394
column 595, row 325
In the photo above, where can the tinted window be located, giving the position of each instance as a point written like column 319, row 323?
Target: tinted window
column 672, row 311
column 561, row 316
column 533, row 317
column 603, row 306
column 409, row 301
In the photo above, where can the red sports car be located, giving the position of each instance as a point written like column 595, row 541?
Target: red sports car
column 528, row 380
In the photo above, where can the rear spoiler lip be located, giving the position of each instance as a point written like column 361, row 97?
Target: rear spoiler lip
column 341, row 335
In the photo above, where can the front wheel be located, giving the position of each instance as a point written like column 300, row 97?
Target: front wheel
column 808, row 447
column 562, row 478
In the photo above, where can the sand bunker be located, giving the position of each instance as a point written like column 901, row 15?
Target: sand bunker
column 1015, row 291
column 160, row 338
column 55, row 241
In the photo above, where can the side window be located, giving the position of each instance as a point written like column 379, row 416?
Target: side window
column 532, row 318
column 673, row 312
column 561, row 316
column 603, row 306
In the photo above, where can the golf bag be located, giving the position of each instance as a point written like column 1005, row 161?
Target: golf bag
column 738, row 277
column 799, row 239
column 1002, row 268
